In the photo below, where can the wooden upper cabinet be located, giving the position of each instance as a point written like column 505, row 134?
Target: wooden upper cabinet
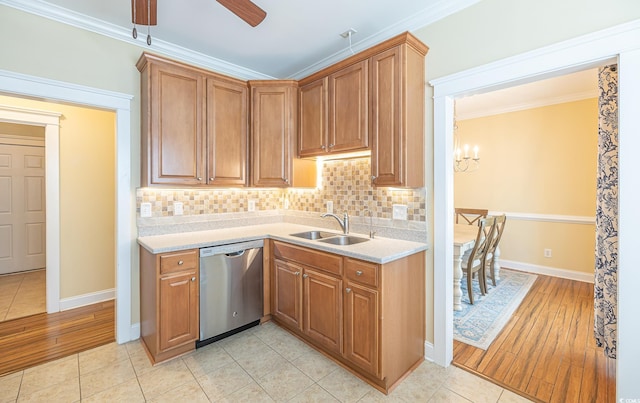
column 313, row 118
column 227, row 133
column 273, row 132
column 348, row 108
column 397, row 116
column 194, row 125
column 333, row 112
column 173, row 150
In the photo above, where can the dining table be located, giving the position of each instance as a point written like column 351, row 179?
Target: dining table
column 464, row 237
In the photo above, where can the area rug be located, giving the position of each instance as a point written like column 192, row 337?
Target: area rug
column 480, row 323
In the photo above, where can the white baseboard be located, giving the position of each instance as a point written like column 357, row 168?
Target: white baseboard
column 428, row 351
column 87, row 299
column 134, row 333
column 547, row 271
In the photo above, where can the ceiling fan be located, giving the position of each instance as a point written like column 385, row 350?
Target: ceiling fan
column 144, row 12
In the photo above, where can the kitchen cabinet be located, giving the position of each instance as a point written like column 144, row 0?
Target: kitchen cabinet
column 169, row 301
column 274, row 136
column 375, row 102
column 369, row 317
column 194, row 125
column 333, row 112
column 397, row 115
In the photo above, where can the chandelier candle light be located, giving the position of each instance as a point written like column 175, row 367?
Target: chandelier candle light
column 466, row 163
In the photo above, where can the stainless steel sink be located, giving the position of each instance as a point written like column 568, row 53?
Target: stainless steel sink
column 314, row 234
column 343, row 240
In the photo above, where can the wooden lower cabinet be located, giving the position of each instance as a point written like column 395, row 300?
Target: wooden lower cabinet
column 169, row 303
column 368, row 317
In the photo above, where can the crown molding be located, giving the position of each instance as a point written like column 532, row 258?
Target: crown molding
column 490, row 110
column 69, row 17
column 421, row 19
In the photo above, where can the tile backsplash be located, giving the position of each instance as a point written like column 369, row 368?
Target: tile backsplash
column 345, row 182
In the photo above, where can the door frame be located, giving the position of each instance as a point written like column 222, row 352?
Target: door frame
column 31, row 86
column 619, row 44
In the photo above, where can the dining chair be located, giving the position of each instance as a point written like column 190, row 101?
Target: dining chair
column 490, row 256
column 474, row 261
column 469, row 215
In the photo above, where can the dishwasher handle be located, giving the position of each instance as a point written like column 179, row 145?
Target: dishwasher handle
column 235, row 254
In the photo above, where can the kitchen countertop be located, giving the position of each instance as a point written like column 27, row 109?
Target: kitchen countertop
column 377, row 250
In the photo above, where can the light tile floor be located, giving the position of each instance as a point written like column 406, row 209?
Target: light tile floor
column 22, row 294
column 262, row 364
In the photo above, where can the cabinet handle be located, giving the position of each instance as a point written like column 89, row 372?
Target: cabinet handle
column 305, row 275
column 348, row 290
column 373, row 178
column 297, row 273
column 211, row 179
column 180, row 262
column 199, row 178
column 359, row 273
column 193, row 278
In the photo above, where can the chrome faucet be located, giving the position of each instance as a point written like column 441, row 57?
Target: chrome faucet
column 344, row 222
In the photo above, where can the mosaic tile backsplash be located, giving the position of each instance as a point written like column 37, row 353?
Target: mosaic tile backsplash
column 345, row 182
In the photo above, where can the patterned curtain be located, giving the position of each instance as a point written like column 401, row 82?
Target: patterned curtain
column 606, row 273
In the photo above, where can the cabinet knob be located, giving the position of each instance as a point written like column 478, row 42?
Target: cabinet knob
column 297, row 273
column 331, row 145
column 193, row 278
column 199, row 178
column 348, row 290
column 286, row 181
column 305, row 275
column 323, row 147
column 359, row 273
column 180, row 262
column 211, row 179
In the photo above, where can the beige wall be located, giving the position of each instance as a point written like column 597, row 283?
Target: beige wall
column 87, row 196
column 537, row 161
column 485, row 32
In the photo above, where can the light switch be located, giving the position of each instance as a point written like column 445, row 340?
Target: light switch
column 178, row 208
column 252, row 205
column 329, row 206
column 399, row 212
column 145, row 210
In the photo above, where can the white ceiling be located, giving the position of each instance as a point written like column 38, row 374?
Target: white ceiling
column 556, row 90
column 297, row 38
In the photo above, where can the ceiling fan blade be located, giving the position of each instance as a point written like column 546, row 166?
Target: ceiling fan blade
column 245, row 9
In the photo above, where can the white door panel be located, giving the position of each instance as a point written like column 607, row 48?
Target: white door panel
column 22, row 208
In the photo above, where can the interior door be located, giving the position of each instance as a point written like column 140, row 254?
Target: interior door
column 22, row 208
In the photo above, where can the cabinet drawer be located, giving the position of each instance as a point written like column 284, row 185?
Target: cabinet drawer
column 362, row 272
column 178, row 261
column 321, row 260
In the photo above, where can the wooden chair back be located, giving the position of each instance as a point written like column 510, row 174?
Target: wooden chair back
column 475, row 261
column 469, row 215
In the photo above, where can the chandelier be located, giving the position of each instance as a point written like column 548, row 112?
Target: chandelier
column 462, row 159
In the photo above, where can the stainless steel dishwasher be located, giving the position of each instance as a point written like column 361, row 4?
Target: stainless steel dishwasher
column 230, row 289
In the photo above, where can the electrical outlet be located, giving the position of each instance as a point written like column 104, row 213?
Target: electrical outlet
column 145, row 210
column 252, row 205
column 329, row 206
column 286, row 203
column 178, row 208
column 547, row 253
column 400, row 212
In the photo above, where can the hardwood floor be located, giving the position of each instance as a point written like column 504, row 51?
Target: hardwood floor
column 547, row 351
column 33, row 340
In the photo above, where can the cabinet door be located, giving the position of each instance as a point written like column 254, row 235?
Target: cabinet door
column 322, row 309
column 179, row 320
column 361, row 327
column 226, row 133
column 386, row 122
column 177, row 150
column 349, row 108
column 287, row 298
column 313, row 123
column 273, row 128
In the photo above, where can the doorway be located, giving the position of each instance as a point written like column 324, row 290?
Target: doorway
column 22, row 221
